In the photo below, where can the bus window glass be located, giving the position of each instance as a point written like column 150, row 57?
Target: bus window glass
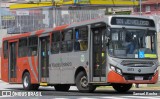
column 55, row 42
column 67, row 43
column 115, row 36
column 5, row 49
column 22, row 47
column 130, row 43
column 81, row 39
column 32, row 46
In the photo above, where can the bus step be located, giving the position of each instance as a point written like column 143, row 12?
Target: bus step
column 43, row 84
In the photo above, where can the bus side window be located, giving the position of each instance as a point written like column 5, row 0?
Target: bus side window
column 22, row 47
column 81, row 39
column 67, row 41
column 5, row 49
column 55, row 43
column 32, row 46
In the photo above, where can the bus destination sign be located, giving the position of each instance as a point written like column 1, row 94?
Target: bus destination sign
column 132, row 22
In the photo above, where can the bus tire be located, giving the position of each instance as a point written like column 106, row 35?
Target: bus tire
column 82, row 83
column 27, row 81
column 122, row 87
column 62, row 87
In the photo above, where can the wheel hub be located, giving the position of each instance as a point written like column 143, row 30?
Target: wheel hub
column 84, row 82
column 26, row 81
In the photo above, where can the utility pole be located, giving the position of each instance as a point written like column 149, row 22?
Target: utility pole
column 140, row 7
column 54, row 10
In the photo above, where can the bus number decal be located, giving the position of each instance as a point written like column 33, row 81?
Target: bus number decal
column 130, row 69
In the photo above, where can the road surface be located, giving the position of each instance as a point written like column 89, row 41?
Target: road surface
column 49, row 93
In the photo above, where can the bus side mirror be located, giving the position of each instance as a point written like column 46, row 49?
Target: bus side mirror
column 108, row 32
column 107, row 41
column 108, row 36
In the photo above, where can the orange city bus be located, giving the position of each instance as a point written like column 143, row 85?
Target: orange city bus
column 114, row 50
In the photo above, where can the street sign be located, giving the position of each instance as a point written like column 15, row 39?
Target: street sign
column 23, row 12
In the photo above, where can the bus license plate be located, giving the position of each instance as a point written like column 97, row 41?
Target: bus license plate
column 138, row 78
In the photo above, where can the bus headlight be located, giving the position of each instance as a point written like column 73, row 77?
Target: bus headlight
column 113, row 68
column 116, row 69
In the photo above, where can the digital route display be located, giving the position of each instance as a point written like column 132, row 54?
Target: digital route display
column 132, row 21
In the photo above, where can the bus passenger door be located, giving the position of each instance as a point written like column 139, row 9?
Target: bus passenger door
column 12, row 62
column 98, row 54
column 44, row 59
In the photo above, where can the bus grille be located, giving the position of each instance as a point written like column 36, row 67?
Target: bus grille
column 137, row 63
column 132, row 76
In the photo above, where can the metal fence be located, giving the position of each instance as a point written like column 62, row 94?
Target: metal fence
column 26, row 20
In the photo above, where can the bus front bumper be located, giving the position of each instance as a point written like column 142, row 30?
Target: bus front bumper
column 114, row 77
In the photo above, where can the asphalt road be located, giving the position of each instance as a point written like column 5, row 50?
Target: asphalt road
column 49, row 92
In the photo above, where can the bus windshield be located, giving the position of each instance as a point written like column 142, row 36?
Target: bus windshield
column 132, row 43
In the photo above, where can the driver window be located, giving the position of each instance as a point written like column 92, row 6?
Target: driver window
column 118, row 38
column 150, row 43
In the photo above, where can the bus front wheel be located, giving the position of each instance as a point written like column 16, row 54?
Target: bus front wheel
column 122, row 87
column 82, row 83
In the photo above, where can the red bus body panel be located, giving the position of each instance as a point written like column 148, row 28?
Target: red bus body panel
column 25, row 63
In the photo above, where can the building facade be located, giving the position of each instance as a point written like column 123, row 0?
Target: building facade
column 149, row 7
